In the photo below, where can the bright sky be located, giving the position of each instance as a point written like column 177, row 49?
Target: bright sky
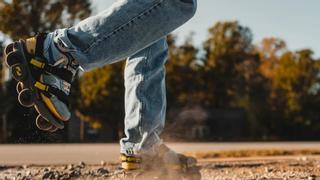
column 295, row 21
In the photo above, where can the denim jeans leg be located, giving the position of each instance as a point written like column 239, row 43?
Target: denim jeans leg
column 127, row 27
column 145, row 98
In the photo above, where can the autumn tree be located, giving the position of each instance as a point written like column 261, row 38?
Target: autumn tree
column 101, row 98
column 182, row 77
column 230, row 64
column 25, row 18
column 294, row 93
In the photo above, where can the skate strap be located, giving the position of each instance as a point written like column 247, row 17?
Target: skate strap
column 64, row 74
column 39, row 45
column 47, row 89
column 34, row 45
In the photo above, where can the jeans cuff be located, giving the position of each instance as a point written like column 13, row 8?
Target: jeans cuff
column 147, row 147
column 62, row 36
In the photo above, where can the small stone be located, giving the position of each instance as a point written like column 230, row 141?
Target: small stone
column 268, row 170
column 312, row 177
column 28, row 173
column 25, row 166
column 25, row 178
column 102, row 163
column 75, row 173
column 102, row 171
column 46, row 169
column 47, row 175
column 56, row 176
column 70, row 167
column 82, row 164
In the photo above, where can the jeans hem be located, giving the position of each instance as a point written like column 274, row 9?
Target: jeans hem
column 79, row 56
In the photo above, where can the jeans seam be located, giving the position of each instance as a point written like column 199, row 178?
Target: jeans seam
column 123, row 26
column 145, row 64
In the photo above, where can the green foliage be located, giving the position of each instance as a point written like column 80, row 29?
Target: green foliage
column 230, row 63
column 101, row 97
column 24, row 18
column 181, row 69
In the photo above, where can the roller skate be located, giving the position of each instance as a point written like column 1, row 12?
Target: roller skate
column 164, row 164
column 41, row 85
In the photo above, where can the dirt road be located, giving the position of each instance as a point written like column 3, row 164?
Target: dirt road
column 220, row 169
column 95, row 153
column 99, row 161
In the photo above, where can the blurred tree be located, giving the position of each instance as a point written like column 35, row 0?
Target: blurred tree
column 270, row 50
column 4, row 100
column 182, row 71
column 230, row 64
column 295, row 93
column 232, row 75
column 24, row 18
column 101, row 98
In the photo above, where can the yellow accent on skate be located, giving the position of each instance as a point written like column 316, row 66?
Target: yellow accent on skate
column 130, row 166
column 37, row 63
column 41, row 86
column 129, row 159
column 130, row 162
column 50, row 105
column 31, row 44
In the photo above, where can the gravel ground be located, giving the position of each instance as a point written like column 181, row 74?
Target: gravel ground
column 296, row 168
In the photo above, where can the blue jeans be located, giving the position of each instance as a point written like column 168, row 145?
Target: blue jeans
column 136, row 30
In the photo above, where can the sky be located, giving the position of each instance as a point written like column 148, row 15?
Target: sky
column 295, row 21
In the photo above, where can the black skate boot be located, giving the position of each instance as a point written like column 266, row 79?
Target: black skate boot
column 164, row 164
column 41, row 85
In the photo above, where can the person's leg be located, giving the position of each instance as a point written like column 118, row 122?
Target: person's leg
column 145, row 108
column 145, row 98
column 125, row 28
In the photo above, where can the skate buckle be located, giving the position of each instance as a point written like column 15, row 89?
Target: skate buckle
column 37, row 63
column 41, row 86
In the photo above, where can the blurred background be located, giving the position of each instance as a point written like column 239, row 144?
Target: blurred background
column 238, row 71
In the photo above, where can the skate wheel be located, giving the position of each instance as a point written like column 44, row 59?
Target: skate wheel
column 19, row 87
column 25, row 98
column 53, row 129
column 8, row 49
column 43, row 124
column 13, row 58
column 19, row 72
